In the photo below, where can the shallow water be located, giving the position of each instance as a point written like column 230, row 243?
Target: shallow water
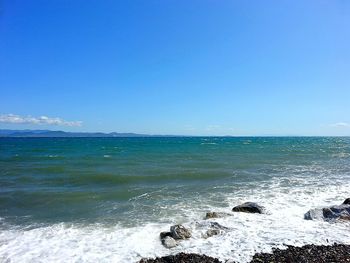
column 107, row 199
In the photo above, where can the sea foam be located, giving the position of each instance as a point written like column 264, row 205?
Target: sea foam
column 285, row 198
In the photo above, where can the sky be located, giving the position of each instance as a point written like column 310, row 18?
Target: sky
column 183, row 67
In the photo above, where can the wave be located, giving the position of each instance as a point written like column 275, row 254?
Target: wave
column 250, row 233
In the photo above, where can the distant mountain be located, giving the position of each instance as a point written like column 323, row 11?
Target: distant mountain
column 48, row 133
column 7, row 132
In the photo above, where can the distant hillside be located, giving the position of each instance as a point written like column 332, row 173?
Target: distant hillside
column 48, row 133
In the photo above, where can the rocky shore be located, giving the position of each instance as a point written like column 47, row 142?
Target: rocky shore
column 182, row 258
column 306, row 254
column 336, row 253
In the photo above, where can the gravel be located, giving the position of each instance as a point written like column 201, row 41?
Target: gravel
column 336, row 253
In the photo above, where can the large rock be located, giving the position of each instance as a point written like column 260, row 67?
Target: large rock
column 249, row 207
column 334, row 212
column 169, row 242
column 180, row 232
column 177, row 232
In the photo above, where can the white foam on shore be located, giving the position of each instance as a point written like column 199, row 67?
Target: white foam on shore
column 250, row 233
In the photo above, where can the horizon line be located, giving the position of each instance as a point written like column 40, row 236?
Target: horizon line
column 139, row 135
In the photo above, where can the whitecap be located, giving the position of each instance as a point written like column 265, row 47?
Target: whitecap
column 285, row 198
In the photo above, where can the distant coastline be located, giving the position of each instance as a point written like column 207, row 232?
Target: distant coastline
column 27, row 133
column 8, row 133
column 48, row 133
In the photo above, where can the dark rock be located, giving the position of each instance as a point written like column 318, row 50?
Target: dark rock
column 329, row 213
column 336, row 211
column 182, row 258
column 336, row 253
column 249, row 207
column 306, row 254
column 347, row 201
column 216, row 215
column 180, row 232
column 169, row 242
column 163, row 235
column 308, row 215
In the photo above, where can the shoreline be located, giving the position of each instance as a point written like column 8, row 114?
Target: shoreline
column 309, row 253
column 339, row 253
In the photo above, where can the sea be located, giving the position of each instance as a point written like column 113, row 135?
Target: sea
column 107, row 199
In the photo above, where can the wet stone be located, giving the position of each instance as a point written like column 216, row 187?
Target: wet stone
column 249, row 207
column 331, row 213
column 169, row 242
column 180, row 232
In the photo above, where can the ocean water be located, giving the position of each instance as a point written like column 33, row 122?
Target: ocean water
column 107, row 199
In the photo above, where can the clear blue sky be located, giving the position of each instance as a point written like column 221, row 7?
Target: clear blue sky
column 176, row 67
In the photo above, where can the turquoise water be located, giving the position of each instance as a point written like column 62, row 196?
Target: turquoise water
column 136, row 182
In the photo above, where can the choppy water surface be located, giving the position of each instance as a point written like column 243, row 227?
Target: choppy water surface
column 107, row 199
